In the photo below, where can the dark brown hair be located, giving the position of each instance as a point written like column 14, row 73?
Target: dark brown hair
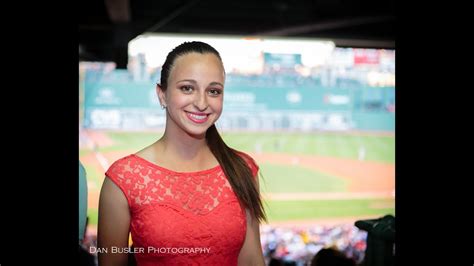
column 235, row 167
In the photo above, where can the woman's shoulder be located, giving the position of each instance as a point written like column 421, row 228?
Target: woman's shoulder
column 126, row 161
column 123, row 159
column 247, row 157
column 249, row 160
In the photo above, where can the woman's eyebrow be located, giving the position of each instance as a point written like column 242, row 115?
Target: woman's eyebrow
column 216, row 83
column 195, row 82
column 188, row 80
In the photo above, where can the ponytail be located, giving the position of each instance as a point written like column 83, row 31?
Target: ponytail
column 238, row 173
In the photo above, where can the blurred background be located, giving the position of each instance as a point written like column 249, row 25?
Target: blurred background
column 310, row 96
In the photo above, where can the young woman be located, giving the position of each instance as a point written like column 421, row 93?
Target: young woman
column 187, row 199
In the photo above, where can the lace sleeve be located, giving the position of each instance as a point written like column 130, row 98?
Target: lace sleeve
column 117, row 173
column 250, row 162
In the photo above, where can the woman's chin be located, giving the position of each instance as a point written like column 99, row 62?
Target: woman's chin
column 197, row 131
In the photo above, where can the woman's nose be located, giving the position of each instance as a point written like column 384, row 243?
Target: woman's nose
column 201, row 102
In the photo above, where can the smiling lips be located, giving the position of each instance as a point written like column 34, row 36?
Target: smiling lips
column 198, row 118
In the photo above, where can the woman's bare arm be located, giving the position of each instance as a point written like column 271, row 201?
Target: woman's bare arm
column 114, row 224
column 251, row 253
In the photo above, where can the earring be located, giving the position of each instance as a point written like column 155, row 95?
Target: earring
column 163, row 106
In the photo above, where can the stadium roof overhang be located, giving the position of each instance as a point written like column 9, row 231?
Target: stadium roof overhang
column 106, row 27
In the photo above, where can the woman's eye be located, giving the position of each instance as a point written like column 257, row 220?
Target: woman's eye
column 215, row 92
column 186, row 89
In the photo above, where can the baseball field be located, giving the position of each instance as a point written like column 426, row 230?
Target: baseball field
column 305, row 178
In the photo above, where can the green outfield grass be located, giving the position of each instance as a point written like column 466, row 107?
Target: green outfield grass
column 93, row 215
column 339, row 145
column 132, row 141
column 293, row 179
column 284, row 178
column 84, row 152
column 313, row 209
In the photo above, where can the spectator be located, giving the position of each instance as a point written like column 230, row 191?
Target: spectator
column 331, row 257
column 85, row 258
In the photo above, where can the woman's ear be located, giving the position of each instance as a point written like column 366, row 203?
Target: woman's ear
column 161, row 96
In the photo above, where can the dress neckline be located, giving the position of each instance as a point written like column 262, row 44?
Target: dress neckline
column 154, row 165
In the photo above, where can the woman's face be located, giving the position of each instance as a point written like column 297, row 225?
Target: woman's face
column 194, row 95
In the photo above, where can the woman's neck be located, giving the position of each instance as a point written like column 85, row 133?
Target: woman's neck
column 181, row 148
column 183, row 152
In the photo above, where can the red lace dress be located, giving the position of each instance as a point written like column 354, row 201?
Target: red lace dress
column 181, row 218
